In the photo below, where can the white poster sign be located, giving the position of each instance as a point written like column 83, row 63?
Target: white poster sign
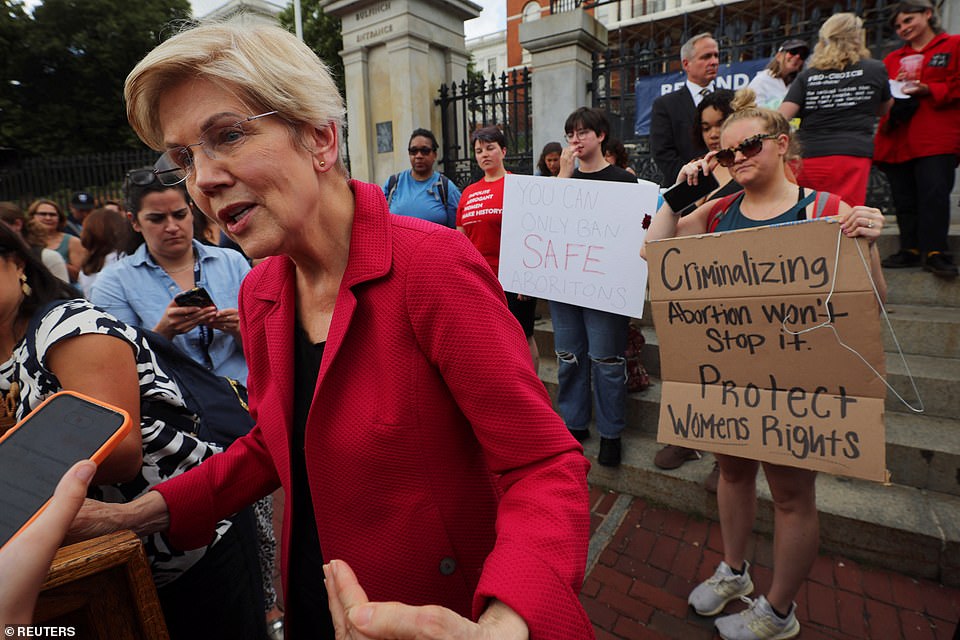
column 576, row 241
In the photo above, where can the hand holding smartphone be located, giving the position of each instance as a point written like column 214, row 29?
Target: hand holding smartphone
column 38, row 450
column 683, row 194
column 196, row 297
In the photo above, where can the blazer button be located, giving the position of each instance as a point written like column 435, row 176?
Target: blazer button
column 448, row 566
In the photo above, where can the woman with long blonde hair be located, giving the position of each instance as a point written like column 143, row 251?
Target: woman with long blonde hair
column 838, row 99
column 755, row 145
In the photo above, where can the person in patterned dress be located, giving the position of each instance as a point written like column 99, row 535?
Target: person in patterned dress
column 72, row 345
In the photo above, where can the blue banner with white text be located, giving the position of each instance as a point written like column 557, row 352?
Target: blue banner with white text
column 731, row 76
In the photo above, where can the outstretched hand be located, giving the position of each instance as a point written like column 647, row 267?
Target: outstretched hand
column 356, row 618
column 25, row 560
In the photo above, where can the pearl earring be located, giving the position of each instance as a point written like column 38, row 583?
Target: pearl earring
column 26, row 288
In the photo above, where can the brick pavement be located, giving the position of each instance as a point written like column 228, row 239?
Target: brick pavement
column 645, row 559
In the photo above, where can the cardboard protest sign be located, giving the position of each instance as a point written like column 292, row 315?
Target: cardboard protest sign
column 576, row 241
column 736, row 382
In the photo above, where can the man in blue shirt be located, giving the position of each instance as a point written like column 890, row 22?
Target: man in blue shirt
column 420, row 191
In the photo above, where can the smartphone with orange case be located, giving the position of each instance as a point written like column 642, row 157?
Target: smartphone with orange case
column 66, row 428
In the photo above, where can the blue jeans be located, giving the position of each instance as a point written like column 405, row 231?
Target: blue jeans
column 590, row 344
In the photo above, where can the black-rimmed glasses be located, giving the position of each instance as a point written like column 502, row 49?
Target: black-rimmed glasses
column 749, row 148
column 421, row 151
column 219, row 140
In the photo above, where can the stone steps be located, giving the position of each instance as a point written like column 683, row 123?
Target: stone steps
column 892, row 526
column 911, row 524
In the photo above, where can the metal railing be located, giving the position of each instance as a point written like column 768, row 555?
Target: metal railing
column 100, row 174
column 654, row 48
column 466, row 106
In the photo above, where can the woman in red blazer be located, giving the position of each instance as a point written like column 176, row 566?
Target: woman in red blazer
column 392, row 389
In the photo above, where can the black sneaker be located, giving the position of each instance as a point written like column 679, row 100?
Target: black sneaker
column 940, row 264
column 902, row 259
column 610, row 450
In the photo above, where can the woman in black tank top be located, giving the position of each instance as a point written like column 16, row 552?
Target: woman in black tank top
column 756, row 146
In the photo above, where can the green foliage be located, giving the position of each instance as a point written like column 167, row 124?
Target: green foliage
column 321, row 32
column 63, row 81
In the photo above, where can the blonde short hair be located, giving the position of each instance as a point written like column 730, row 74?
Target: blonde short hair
column 268, row 68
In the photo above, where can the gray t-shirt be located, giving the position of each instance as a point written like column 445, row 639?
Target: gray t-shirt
column 838, row 109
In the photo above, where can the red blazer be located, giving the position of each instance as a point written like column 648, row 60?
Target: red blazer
column 438, row 469
column 935, row 127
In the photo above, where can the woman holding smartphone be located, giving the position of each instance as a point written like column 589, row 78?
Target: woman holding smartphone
column 141, row 289
column 50, row 342
column 756, row 145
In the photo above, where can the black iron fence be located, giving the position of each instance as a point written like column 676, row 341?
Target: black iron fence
column 478, row 102
column 100, row 174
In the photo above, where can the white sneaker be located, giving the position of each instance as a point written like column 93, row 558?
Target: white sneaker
column 758, row 622
column 710, row 597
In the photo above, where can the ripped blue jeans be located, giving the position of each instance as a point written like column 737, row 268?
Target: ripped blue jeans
column 590, row 345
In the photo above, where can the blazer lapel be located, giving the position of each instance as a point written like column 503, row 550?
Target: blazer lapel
column 370, row 252
column 278, row 293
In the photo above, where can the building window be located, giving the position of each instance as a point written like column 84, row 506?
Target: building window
column 531, row 11
column 491, row 66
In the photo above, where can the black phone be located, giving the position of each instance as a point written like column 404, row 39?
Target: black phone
column 35, row 453
column 682, row 195
column 196, row 297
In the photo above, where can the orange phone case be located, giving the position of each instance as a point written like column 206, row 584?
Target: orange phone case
column 98, row 456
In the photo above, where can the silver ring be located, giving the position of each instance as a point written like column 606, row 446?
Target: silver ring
column 870, row 225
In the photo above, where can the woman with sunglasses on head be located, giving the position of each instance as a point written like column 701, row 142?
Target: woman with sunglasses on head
column 479, row 217
column 53, row 221
column 756, row 146
column 420, row 191
column 770, row 84
column 52, row 341
column 838, row 98
column 918, row 142
column 140, row 289
column 423, row 466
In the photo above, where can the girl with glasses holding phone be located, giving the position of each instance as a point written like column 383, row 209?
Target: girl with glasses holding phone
column 756, row 145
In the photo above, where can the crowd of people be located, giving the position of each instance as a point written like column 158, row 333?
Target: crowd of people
column 392, row 382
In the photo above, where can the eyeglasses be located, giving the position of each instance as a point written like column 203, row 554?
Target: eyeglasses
column 46, row 214
column 219, row 140
column 579, row 134
column 749, row 148
column 420, row 151
column 800, row 53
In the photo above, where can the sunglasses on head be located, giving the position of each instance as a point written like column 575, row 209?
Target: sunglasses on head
column 142, row 177
column 749, row 148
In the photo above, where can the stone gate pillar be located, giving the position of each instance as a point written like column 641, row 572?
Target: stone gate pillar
column 560, row 46
column 396, row 54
